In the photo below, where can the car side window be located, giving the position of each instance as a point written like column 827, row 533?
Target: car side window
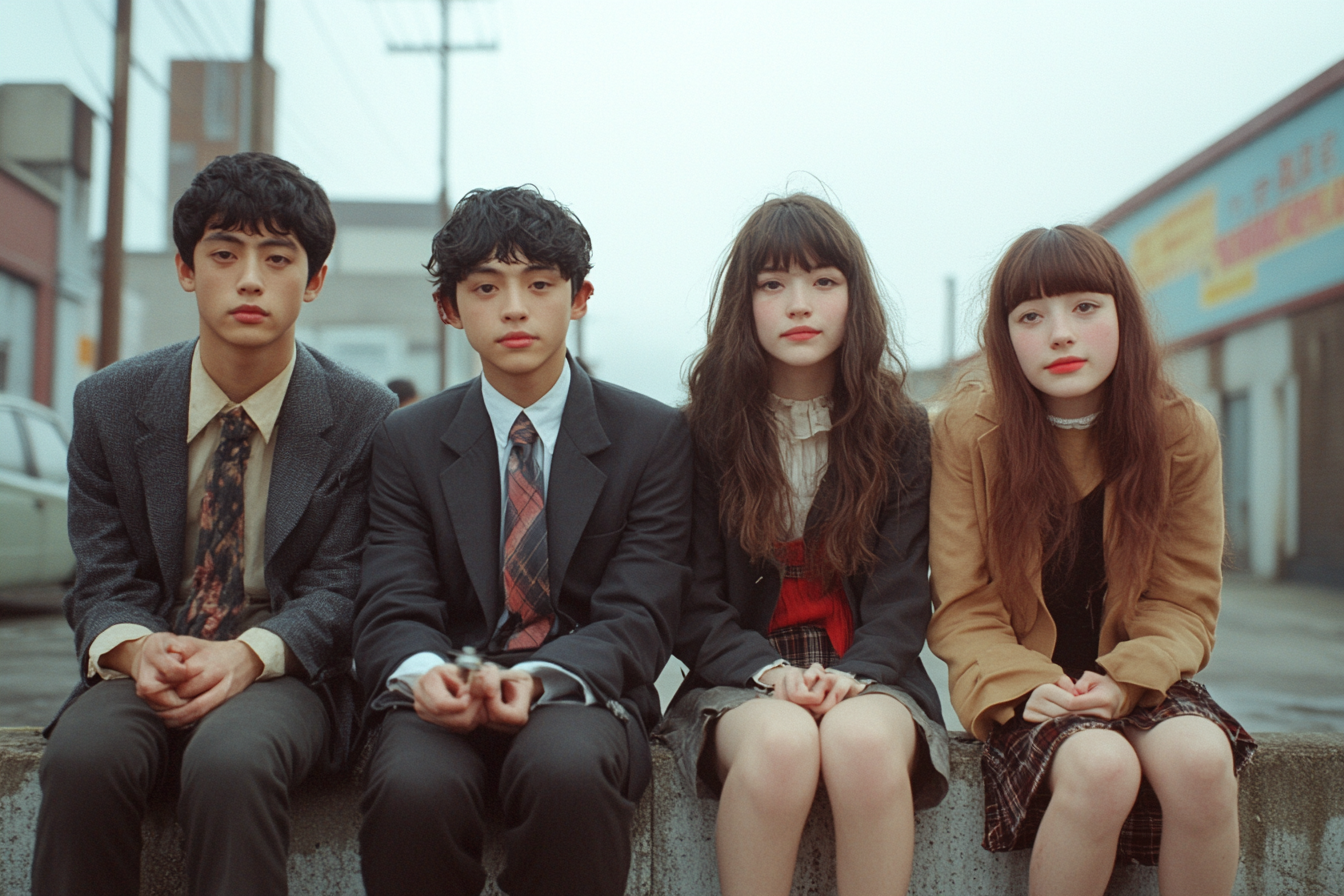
column 49, row 449
column 11, row 444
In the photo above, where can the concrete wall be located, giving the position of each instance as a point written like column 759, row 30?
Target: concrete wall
column 1292, row 832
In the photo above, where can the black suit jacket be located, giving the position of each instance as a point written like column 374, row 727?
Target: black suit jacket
column 128, row 505
column 723, row 626
column 618, row 508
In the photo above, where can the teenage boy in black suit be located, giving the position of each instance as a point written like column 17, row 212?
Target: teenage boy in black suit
column 541, row 518
column 217, row 511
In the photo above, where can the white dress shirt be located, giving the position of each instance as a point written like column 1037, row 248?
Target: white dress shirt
column 545, row 414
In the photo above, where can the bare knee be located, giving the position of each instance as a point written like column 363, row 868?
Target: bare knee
column 777, row 761
column 1095, row 774
column 1195, row 779
column 866, row 757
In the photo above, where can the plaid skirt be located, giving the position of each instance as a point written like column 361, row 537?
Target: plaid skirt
column 1017, row 756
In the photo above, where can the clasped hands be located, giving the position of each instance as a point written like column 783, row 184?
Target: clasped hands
column 182, row 678
column 489, row 697
column 1091, row 695
column 815, row 688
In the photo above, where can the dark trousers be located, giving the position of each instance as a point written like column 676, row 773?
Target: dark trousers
column 563, row 787
column 233, row 772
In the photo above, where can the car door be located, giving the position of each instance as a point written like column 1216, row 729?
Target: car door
column 21, row 508
column 49, row 447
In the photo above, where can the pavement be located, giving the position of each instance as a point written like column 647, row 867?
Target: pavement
column 1278, row 664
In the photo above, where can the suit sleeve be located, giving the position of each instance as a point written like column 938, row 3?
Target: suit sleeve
column 893, row 603
column 634, row 610
column 1170, row 632
column 400, row 610
column 315, row 622
column 711, row 639
column 111, row 584
column 971, row 629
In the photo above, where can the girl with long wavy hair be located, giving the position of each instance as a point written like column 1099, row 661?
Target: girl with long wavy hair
column 1077, row 542
column 810, row 556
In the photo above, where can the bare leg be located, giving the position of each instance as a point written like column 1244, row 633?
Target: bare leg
column 1188, row 761
column 769, row 758
column 1094, row 779
column 867, row 748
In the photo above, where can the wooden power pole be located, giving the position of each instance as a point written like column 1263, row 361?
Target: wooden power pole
column 109, row 333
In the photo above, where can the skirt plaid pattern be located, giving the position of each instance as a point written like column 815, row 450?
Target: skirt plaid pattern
column 1017, row 756
column 803, row 645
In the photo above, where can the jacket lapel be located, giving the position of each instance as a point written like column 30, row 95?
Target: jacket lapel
column 575, row 482
column 471, row 489
column 302, row 453
column 161, row 454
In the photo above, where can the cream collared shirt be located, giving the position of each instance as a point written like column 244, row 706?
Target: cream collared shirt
column 205, row 403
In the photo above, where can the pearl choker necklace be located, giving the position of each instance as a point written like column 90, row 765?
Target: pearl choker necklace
column 1074, row 423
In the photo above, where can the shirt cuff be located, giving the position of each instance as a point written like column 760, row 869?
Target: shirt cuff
column 403, row 680
column 558, row 685
column 269, row 648
column 108, row 640
column 756, row 679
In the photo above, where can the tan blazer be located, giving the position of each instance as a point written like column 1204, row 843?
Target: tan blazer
column 1154, row 632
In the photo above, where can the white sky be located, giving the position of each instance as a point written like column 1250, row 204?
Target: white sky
column 942, row 129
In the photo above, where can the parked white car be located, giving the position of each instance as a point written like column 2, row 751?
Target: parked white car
column 34, row 488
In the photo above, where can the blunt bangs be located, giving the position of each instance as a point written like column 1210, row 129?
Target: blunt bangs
column 1058, row 261
column 793, row 231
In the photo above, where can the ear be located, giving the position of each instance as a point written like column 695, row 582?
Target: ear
column 447, row 313
column 315, row 284
column 578, row 306
column 185, row 275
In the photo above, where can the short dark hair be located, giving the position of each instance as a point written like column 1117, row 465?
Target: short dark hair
column 404, row 389
column 509, row 224
column 248, row 190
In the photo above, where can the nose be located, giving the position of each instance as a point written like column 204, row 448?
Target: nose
column 1061, row 331
column 249, row 277
column 797, row 301
column 512, row 307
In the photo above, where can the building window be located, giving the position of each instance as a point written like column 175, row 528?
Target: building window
column 18, row 331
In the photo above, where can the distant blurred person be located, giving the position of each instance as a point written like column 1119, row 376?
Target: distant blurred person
column 1076, row 543
column 405, row 392
column 218, row 505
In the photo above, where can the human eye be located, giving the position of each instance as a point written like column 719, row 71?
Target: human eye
column 1029, row 317
column 484, row 289
column 769, row 284
column 1087, row 306
column 279, row 260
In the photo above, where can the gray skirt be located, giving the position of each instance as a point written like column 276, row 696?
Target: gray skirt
column 688, row 730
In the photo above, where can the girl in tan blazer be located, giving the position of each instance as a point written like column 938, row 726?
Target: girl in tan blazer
column 1076, row 530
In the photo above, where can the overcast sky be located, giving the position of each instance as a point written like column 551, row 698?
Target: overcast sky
column 942, row 129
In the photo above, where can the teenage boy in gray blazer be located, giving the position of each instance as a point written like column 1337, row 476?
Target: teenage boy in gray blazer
column 539, row 517
column 218, row 507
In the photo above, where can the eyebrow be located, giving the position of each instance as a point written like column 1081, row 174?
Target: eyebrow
column 489, row 268
column 228, row 236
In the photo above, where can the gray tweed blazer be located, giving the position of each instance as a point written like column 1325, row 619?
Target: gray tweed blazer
column 128, row 496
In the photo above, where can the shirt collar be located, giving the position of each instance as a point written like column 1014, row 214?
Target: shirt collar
column 207, row 400
column 545, row 413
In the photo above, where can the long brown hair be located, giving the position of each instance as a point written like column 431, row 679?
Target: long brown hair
column 729, row 409
column 1033, row 492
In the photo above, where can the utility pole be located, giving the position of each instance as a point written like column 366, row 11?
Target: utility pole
column 109, row 334
column 443, row 48
column 951, row 337
column 256, row 73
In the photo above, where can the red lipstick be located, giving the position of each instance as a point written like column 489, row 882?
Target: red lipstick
column 1066, row 365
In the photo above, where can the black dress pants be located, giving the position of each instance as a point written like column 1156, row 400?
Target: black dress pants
column 563, row 787
column 233, row 772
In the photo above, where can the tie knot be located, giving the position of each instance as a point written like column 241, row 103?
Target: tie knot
column 522, row 431
column 237, row 425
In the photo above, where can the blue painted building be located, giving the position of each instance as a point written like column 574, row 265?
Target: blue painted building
column 1241, row 251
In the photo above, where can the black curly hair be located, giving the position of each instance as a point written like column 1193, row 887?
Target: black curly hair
column 510, row 224
column 248, row 190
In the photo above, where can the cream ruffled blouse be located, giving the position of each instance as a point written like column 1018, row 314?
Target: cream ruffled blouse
column 804, row 428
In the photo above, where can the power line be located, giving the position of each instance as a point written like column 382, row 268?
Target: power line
column 345, row 68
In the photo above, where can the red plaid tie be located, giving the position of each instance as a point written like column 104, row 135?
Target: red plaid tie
column 527, row 586
column 217, row 595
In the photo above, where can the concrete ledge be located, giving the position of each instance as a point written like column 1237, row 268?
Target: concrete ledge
column 1292, row 832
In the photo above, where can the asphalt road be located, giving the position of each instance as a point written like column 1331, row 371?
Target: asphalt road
column 1278, row 664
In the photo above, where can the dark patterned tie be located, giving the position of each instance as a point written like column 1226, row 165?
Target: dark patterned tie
column 217, row 595
column 527, row 586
